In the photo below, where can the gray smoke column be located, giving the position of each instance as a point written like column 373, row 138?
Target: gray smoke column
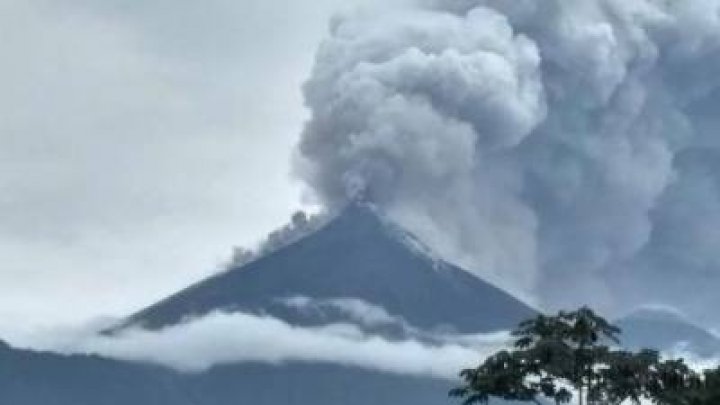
column 566, row 150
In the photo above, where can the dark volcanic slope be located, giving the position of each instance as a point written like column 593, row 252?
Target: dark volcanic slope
column 356, row 255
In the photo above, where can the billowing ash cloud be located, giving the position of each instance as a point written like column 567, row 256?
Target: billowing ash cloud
column 235, row 338
column 565, row 150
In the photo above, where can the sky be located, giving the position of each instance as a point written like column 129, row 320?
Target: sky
column 545, row 146
column 140, row 142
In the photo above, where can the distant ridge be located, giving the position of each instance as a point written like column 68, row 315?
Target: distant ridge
column 39, row 378
column 666, row 330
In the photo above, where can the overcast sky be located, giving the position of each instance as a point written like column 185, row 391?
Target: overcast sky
column 140, row 141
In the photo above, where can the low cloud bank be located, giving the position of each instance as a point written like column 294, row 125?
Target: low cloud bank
column 221, row 338
column 226, row 338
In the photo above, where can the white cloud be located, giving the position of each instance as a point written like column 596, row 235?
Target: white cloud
column 357, row 310
column 222, row 338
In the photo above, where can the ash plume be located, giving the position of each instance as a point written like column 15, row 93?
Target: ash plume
column 301, row 224
column 567, row 151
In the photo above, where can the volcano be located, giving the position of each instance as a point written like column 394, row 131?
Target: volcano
column 359, row 255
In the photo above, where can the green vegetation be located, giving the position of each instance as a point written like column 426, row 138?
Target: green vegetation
column 577, row 355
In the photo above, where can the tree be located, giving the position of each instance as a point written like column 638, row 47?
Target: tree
column 627, row 376
column 569, row 347
column 560, row 357
column 682, row 386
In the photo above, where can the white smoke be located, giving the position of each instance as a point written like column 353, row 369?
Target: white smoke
column 566, row 150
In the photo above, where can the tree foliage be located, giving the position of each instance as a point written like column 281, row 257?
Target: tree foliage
column 576, row 355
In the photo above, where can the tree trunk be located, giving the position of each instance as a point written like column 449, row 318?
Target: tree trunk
column 589, row 389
